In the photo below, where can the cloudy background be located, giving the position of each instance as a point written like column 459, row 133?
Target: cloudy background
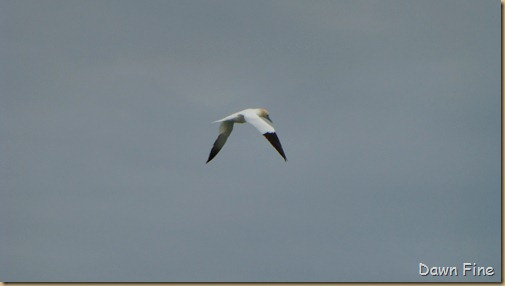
column 389, row 113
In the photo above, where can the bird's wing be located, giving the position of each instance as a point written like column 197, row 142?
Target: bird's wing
column 225, row 129
column 267, row 130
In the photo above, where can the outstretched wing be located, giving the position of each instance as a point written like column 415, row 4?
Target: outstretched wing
column 268, row 131
column 224, row 132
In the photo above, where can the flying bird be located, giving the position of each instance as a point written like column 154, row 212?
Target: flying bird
column 258, row 117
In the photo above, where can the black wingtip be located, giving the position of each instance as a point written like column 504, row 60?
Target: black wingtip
column 212, row 154
column 210, row 158
column 274, row 140
column 218, row 144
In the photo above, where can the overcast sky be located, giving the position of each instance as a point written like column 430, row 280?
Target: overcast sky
column 388, row 111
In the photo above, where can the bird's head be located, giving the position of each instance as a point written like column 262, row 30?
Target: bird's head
column 262, row 112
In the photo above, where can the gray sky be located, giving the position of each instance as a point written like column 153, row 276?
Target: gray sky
column 388, row 111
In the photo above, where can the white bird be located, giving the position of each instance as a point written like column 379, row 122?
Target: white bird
column 258, row 117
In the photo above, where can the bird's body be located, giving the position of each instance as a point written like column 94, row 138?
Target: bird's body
column 258, row 117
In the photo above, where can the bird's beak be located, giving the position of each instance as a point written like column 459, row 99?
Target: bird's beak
column 268, row 117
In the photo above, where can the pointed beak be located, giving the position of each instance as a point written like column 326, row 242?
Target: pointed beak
column 268, row 117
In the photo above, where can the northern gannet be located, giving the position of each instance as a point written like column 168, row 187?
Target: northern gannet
column 258, row 117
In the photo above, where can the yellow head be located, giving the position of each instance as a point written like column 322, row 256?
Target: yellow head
column 262, row 112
